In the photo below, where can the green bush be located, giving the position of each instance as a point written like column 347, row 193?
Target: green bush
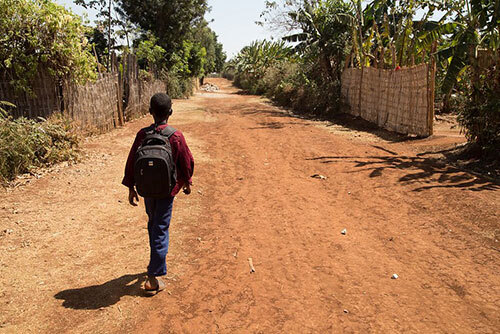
column 26, row 144
column 43, row 36
column 481, row 122
column 300, row 85
column 178, row 87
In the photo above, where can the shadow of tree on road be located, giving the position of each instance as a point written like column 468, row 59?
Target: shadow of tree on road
column 104, row 295
column 420, row 170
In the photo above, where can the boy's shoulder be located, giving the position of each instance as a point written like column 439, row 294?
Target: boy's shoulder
column 146, row 129
column 177, row 134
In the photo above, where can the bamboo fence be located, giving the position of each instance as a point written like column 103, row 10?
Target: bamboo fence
column 399, row 100
column 96, row 107
column 43, row 101
column 93, row 106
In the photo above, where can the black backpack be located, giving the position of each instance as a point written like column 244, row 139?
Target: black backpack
column 154, row 169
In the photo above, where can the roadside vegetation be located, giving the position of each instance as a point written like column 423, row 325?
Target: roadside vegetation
column 27, row 144
column 171, row 40
column 323, row 37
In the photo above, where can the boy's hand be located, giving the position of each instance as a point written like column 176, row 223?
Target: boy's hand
column 132, row 194
column 187, row 189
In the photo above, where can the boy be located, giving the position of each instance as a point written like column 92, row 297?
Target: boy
column 160, row 210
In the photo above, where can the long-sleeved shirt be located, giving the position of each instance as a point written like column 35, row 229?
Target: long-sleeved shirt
column 183, row 159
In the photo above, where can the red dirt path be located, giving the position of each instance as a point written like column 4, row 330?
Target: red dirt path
column 74, row 255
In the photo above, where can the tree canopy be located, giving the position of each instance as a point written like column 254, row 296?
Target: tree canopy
column 42, row 35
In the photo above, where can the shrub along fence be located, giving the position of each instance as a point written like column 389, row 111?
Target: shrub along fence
column 96, row 107
column 400, row 100
column 47, row 93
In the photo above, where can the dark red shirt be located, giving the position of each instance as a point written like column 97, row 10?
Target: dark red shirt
column 182, row 156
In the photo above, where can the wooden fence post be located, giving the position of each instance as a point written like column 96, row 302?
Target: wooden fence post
column 393, row 51
column 119, row 106
column 431, row 88
column 360, row 88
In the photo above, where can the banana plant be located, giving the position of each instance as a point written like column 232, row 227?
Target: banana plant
column 255, row 59
column 392, row 25
column 325, row 32
column 476, row 26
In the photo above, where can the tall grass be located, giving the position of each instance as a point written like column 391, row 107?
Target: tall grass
column 27, row 144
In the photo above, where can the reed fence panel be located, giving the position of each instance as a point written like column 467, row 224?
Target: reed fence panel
column 96, row 107
column 43, row 102
column 93, row 106
column 396, row 100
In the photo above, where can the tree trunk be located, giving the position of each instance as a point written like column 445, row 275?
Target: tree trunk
column 109, row 36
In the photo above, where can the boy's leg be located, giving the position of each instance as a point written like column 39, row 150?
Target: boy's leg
column 160, row 213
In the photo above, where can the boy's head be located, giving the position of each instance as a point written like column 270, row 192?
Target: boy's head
column 160, row 106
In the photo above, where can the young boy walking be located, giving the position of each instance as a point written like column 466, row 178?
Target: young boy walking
column 159, row 207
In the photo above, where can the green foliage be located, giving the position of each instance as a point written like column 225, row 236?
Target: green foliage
column 307, row 76
column 191, row 46
column 97, row 41
column 149, row 52
column 197, row 60
column 401, row 30
column 171, row 21
column 254, row 60
column 476, row 26
column 26, row 144
column 41, row 35
column 178, row 86
column 3, row 112
column 481, row 120
column 215, row 56
column 326, row 27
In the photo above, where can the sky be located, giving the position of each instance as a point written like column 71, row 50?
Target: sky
column 233, row 21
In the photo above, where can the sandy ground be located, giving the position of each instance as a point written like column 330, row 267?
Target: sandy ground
column 73, row 252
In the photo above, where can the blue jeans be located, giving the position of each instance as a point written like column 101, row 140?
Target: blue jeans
column 159, row 212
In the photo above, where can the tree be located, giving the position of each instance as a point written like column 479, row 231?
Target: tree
column 254, row 60
column 170, row 21
column 207, row 38
column 152, row 54
column 326, row 28
column 477, row 25
column 104, row 13
column 97, row 40
column 41, row 35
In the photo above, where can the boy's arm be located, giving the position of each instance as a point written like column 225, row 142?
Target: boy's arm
column 128, row 179
column 184, row 162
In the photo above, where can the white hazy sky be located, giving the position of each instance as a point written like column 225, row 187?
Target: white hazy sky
column 233, row 21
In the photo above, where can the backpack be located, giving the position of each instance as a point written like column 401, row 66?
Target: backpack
column 154, row 168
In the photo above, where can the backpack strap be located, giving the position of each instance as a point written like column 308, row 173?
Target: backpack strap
column 150, row 129
column 168, row 131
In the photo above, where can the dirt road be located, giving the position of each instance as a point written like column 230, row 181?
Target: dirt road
column 73, row 252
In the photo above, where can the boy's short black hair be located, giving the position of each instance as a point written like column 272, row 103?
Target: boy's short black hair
column 160, row 105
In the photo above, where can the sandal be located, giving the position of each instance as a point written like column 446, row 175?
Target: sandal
column 160, row 287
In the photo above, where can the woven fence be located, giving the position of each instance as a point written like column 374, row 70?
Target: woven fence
column 93, row 106
column 43, row 101
column 96, row 107
column 396, row 100
column 140, row 92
